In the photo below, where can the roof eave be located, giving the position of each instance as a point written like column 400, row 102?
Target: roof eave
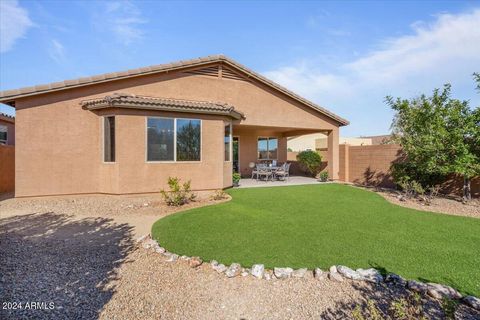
column 98, row 106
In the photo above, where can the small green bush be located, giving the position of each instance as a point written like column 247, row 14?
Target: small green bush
column 219, row 195
column 178, row 194
column 310, row 161
column 323, row 176
column 236, row 178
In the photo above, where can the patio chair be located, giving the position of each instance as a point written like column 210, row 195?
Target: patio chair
column 283, row 172
column 257, row 169
column 264, row 172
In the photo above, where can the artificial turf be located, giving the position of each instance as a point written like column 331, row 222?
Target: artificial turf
column 330, row 224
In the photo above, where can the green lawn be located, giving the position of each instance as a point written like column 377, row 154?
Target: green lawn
column 323, row 225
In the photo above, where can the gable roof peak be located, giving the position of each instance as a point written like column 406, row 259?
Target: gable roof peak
column 9, row 96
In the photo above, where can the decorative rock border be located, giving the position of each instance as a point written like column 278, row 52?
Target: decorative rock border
column 335, row 273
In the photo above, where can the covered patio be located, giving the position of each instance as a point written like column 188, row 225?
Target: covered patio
column 267, row 144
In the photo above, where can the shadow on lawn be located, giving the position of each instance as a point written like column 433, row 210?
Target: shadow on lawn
column 52, row 258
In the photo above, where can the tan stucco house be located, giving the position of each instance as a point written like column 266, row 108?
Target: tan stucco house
column 127, row 132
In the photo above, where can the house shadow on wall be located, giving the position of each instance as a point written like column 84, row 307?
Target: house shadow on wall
column 378, row 176
column 67, row 265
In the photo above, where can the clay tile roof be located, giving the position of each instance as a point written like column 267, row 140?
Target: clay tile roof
column 9, row 96
column 124, row 100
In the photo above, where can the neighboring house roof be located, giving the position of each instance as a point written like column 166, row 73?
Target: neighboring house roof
column 122, row 100
column 9, row 96
column 382, row 139
column 6, row 117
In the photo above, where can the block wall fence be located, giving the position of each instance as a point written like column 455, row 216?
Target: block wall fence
column 370, row 165
column 7, row 168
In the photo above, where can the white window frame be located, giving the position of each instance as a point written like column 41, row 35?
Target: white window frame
column 103, row 138
column 230, row 144
column 174, row 140
column 268, row 147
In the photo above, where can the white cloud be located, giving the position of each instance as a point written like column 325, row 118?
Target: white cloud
column 452, row 40
column 447, row 50
column 124, row 20
column 14, row 23
column 56, row 51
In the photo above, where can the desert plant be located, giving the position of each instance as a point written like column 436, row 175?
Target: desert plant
column 236, row 178
column 310, row 161
column 439, row 135
column 219, row 195
column 449, row 307
column 179, row 194
column 323, row 176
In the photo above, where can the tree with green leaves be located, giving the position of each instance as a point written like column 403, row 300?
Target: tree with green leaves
column 439, row 136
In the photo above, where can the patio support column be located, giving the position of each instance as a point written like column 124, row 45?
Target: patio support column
column 333, row 154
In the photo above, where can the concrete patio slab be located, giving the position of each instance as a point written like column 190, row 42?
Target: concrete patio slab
column 294, row 180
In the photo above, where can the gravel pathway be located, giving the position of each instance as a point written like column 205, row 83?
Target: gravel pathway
column 72, row 264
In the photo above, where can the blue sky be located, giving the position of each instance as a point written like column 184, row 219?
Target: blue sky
column 346, row 56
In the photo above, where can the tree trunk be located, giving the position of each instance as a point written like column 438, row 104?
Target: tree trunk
column 467, row 195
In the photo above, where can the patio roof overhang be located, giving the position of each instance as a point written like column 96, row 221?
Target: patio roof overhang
column 282, row 131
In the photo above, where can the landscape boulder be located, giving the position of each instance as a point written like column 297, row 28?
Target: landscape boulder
column 299, row 273
column 219, row 268
column 472, row 301
column 395, row 279
column 282, row 273
column 195, row 262
column 234, row 270
column 335, row 276
column 348, row 273
column 319, row 274
column 417, row 286
column 439, row 291
column 371, row 275
column 258, row 270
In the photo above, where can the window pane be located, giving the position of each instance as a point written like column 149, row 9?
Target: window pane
column 160, row 143
column 272, row 148
column 188, row 140
column 109, row 139
column 3, row 134
column 262, row 145
column 227, row 141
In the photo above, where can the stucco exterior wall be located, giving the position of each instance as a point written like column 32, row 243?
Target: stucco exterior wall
column 59, row 145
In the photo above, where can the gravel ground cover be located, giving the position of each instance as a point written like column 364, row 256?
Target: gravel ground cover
column 440, row 204
column 80, row 255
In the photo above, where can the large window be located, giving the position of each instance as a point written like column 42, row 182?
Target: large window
column 160, row 139
column 3, row 134
column 188, row 140
column 227, row 138
column 267, row 148
column 109, row 139
column 171, row 139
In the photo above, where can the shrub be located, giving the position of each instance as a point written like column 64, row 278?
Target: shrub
column 236, row 177
column 310, row 161
column 179, row 194
column 323, row 176
column 413, row 189
column 408, row 307
column 219, row 195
